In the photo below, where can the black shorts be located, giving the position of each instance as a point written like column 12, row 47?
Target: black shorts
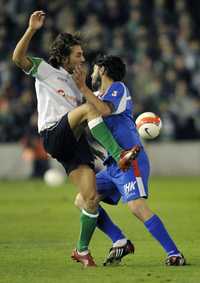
column 60, row 143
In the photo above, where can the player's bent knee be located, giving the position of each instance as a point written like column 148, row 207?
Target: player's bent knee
column 91, row 202
column 89, row 107
column 79, row 202
column 91, row 111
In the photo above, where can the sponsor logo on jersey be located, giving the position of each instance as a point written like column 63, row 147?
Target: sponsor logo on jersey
column 71, row 99
column 61, row 92
column 129, row 187
column 62, row 79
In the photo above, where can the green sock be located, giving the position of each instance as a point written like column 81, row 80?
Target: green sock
column 88, row 224
column 102, row 134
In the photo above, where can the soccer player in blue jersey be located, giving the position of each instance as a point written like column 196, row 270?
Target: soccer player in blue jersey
column 113, row 183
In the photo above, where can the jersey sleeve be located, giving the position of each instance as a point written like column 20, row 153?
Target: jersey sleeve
column 40, row 69
column 117, row 96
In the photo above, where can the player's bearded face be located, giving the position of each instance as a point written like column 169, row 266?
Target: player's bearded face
column 96, row 78
column 76, row 58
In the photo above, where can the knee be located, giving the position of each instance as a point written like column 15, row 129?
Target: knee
column 134, row 207
column 91, row 110
column 79, row 202
column 89, row 107
column 140, row 209
column 88, row 202
column 91, row 203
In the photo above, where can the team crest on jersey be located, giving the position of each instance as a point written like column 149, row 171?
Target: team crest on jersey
column 114, row 93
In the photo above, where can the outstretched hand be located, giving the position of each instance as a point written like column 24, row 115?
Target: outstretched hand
column 79, row 76
column 36, row 20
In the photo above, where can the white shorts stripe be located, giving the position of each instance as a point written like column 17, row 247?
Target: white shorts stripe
column 140, row 186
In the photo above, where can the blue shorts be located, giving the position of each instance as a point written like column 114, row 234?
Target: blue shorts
column 112, row 183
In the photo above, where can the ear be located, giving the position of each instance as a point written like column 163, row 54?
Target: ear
column 102, row 70
column 65, row 60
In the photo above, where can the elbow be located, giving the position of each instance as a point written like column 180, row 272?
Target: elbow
column 106, row 111
column 16, row 59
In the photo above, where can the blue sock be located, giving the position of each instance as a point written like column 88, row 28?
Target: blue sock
column 105, row 224
column 158, row 231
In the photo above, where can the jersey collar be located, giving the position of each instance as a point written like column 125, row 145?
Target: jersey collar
column 65, row 72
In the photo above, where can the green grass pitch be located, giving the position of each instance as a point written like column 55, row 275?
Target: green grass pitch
column 39, row 227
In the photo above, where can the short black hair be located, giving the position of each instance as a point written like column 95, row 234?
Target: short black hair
column 114, row 66
column 61, row 48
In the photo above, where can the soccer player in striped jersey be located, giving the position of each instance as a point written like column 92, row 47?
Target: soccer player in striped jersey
column 59, row 120
column 113, row 183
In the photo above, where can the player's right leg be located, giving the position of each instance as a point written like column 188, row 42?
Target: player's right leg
column 101, row 133
column 76, row 158
column 121, row 246
column 108, row 193
column 84, row 179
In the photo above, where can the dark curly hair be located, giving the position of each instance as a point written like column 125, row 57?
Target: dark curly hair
column 114, row 66
column 61, row 48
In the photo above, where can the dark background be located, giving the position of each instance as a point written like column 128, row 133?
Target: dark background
column 159, row 40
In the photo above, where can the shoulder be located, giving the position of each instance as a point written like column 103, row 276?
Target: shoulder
column 118, row 85
column 117, row 88
column 40, row 68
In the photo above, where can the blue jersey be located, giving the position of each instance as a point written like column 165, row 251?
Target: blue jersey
column 121, row 122
column 112, row 183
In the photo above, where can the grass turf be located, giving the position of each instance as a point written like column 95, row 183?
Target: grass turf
column 39, row 227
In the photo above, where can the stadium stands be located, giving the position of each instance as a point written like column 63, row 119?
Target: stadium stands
column 159, row 40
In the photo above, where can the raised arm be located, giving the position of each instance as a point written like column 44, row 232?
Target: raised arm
column 19, row 57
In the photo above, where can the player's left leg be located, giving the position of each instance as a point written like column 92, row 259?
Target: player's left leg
column 133, row 186
column 157, row 229
column 140, row 209
column 102, row 134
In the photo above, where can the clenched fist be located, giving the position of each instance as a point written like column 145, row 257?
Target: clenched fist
column 36, row 20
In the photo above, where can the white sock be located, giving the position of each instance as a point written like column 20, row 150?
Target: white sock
column 94, row 122
column 83, row 253
column 175, row 255
column 120, row 243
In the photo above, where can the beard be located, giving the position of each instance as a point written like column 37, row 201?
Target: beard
column 96, row 83
column 70, row 69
